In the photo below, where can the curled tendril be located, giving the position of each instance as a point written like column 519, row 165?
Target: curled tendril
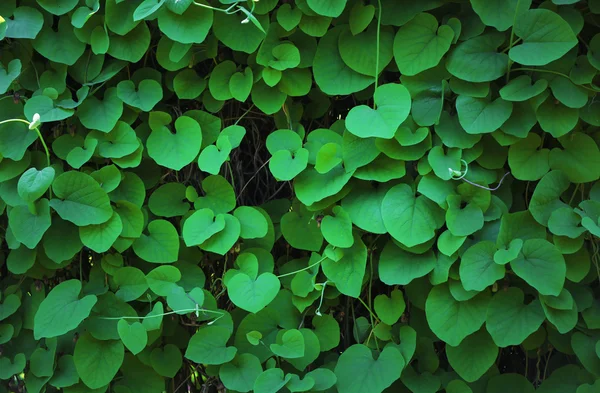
column 460, row 175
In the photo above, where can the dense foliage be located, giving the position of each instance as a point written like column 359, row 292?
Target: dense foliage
column 300, row 196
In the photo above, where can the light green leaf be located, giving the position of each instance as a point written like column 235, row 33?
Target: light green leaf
column 62, row 310
column 546, row 37
column 420, row 44
column 97, row 362
column 176, row 150
column 240, row 373
column 208, row 346
column 542, row 266
column 477, row 59
column 409, row 219
column 393, row 107
column 509, row 321
column 357, row 371
column 161, row 245
column 133, row 335
column 81, row 199
column 481, row 115
column 477, row 267
column 452, row 320
column 398, row 267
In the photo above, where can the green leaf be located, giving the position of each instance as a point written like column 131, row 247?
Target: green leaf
column 147, row 8
column 240, row 373
column 510, row 381
column 238, row 36
column 390, row 309
column 169, row 200
column 409, row 219
column 250, row 294
column 331, row 74
column 542, row 266
column 97, row 362
column 477, row 267
column 565, row 222
column 188, row 85
column 546, row 196
column 131, row 282
column 223, row 241
column 148, row 94
column 208, row 346
column 546, row 37
column 398, row 267
column 521, row 89
column 290, row 344
column 81, row 199
column 101, row 115
column 579, row 159
column 480, row 115
column 201, row 225
column 348, row 272
column 61, row 46
column 28, row 228
column 62, row 310
column 26, row 23
column 166, row 361
column 499, row 13
column 219, row 195
column 428, row 44
column 8, row 75
column 526, row 160
column 161, row 245
column 477, row 59
column 175, row 150
column 101, row 237
column 473, row 356
column 509, row 321
column 162, row 279
column 393, row 107
column 331, row 8
column 584, row 347
column 357, row 371
column 271, row 381
column 287, row 17
column 357, row 50
column 337, row 230
column 133, row 335
column 452, row 320
column 556, row 118
column 253, row 224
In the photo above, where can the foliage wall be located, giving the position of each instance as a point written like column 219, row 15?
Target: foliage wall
column 299, row 196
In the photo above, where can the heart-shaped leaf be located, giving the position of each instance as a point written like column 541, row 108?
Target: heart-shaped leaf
column 133, row 335
column 161, row 245
column 253, row 295
column 357, row 371
column 393, row 107
column 208, row 346
column 430, row 43
column 148, row 94
column 175, row 150
column 201, row 225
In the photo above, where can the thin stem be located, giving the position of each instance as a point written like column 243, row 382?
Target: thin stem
column 368, row 309
column 377, row 53
column 186, row 310
column 244, row 114
column 574, row 192
column 512, row 35
column 301, row 270
column 227, row 10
